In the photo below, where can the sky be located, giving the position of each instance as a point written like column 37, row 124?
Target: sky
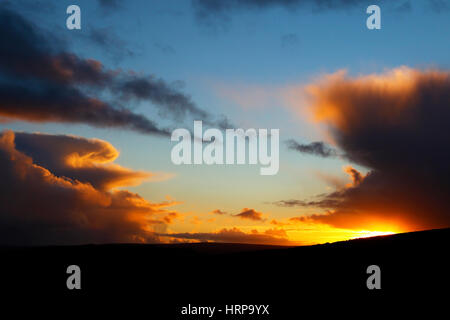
column 86, row 117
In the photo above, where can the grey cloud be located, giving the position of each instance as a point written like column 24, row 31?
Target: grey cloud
column 317, row 148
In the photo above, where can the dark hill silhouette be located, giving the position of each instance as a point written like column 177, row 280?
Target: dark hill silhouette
column 167, row 277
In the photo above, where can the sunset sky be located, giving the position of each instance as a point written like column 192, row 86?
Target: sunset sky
column 86, row 117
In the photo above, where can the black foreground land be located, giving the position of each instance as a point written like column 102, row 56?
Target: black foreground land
column 289, row 280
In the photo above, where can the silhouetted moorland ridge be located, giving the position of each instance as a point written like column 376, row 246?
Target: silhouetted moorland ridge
column 413, row 263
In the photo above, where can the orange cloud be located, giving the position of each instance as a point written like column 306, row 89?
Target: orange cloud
column 250, row 214
column 218, row 211
column 355, row 175
column 169, row 217
column 235, row 235
column 396, row 125
column 39, row 207
column 87, row 160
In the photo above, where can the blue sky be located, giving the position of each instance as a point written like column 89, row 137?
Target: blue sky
column 266, row 49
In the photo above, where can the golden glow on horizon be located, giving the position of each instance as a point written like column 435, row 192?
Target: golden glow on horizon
column 293, row 232
column 368, row 234
column 321, row 233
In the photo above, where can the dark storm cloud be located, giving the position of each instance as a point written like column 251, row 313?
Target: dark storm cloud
column 77, row 205
column 41, row 81
column 58, row 103
column 397, row 125
column 171, row 101
column 317, row 148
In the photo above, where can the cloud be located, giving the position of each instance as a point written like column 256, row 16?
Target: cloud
column 208, row 11
column 291, row 203
column 215, row 7
column 85, row 160
column 396, row 125
column 169, row 100
column 355, row 175
column 235, row 235
column 42, row 81
column 246, row 214
column 317, row 148
column 212, row 12
column 40, row 207
column 171, row 216
column 322, row 203
column 110, row 42
column 218, row 211
column 249, row 214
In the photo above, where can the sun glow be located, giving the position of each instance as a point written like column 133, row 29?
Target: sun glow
column 368, row 234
